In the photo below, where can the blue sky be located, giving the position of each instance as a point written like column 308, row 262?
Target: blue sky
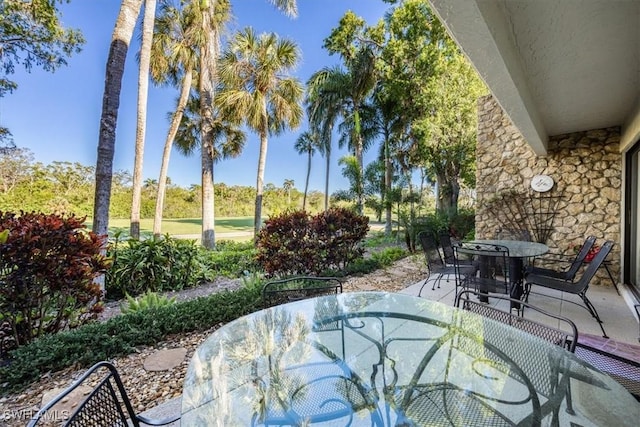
column 56, row 115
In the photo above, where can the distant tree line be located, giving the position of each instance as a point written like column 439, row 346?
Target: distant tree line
column 66, row 187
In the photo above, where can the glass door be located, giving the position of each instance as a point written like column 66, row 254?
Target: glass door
column 632, row 234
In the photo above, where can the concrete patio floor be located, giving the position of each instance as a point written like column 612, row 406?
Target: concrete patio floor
column 616, row 311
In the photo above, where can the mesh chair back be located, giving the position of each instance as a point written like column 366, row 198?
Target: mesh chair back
column 447, row 248
column 513, row 234
column 431, row 252
column 623, row 370
column 491, row 263
column 593, row 266
column 106, row 405
column 300, row 287
column 566, row 336
column 582, row 254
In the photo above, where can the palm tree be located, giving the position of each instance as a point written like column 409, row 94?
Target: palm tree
column 227, row 141
column 174, row 61
column 141, row 123
column 323, row 109
column 351, row 171
column 344, row 92
column 256, row 90
column 122, row 33
column 307, row 143
column 287, row 186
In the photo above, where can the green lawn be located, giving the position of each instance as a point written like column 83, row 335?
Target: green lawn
column 184, row 225
column 193, row 226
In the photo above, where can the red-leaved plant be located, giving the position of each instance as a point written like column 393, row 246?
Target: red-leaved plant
column 48, row 264
column 295, row 243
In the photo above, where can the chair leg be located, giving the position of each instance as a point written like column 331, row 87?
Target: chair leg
column 593, row 312
column 615, row 285
column 433, row 288
column 424, row 284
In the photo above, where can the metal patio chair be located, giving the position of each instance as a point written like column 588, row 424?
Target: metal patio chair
column 621, row 369
column 490, row 262
column 565, row 336
column 571, row 265
column 578, row 287
column 436, row 268
column 295, row 288
column 106, row 405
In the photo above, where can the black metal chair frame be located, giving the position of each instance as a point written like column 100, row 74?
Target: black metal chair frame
column 578, row 287
column 436, row 267
column 565, row 338
column 573, row 264
column 490, row 261
column 107, row 404
column 295, row 288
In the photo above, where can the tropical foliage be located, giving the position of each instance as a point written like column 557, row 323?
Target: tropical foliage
column 47, row 267
column 297, row 243
column 31, row 34
column 256, row 89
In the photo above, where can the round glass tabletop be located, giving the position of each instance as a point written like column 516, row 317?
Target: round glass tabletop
column 518, row 248
column 389, row 359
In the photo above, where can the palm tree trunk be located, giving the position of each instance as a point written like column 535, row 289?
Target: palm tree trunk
column 122, row 32
column 327, row 152
column 166, row 154
column 208, row 58
column 326, row 184
column 360, row 190
column 306, row 184
column 141, row 124
column 387, row 187
column 257, row 219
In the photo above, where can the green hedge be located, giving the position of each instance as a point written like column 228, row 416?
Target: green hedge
column 119, row 335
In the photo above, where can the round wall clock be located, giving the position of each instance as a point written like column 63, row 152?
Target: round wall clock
column 541, row 183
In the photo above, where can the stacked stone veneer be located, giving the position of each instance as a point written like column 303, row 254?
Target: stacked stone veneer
column 586, row 167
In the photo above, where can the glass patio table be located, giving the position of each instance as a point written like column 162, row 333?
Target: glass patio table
column 386, row 359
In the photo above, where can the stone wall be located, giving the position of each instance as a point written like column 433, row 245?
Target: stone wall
column 587, row 170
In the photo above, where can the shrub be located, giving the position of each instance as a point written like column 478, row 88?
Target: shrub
column 340, row 234
column 168, row 264
column 228, row 259
column 48, row 264
column 461, row 224
column 381, row 259
column 155, row 265
column 146, row 301
column 295, row 243
column 120, row 335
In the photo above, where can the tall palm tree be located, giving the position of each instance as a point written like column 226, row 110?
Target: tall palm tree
column 141, row 118
column 287, row 185
column 227, row 140
column 174, row 61
column 344, row 92
column 323, row 109
column 120, row 40
column 307, row 143
column 257, row 90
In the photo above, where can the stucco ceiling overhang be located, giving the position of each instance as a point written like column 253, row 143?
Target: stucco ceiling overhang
column 555, row 66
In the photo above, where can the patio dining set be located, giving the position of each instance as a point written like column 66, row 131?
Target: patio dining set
column 316, row 356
